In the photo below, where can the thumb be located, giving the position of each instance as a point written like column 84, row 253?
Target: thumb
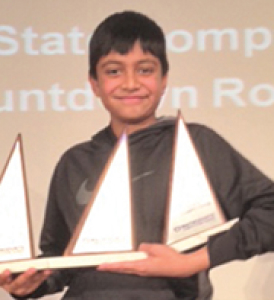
column 152, row 249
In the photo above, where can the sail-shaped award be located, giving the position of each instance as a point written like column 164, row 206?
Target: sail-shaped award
column 193, row 212
column 106, row 223
column 15, row 230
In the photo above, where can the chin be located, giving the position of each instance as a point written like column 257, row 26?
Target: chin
column 138, row 120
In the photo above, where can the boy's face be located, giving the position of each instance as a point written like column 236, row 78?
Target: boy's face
column 130, row 86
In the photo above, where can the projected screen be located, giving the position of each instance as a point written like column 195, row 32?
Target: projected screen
column 221, row 74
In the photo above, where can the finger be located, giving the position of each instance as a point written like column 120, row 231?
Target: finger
column 35, row 280
column 157, row 250
column 153, row 249
column 114, row 266
column 21, row 279
column 121, row 270
column 26, row 282
column 138, row 267
column 144, row 247
column 5, row 277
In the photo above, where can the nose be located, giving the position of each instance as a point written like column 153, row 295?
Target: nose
column 131, row 81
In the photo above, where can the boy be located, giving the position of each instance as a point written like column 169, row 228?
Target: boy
column 128, row 71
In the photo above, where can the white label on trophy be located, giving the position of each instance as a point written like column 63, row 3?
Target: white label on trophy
column 108, row 226
column 14, row 231
column 192, row 206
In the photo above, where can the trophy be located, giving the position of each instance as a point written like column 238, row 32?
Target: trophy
column 193, row 212
column 106, row 223
column 15, row 234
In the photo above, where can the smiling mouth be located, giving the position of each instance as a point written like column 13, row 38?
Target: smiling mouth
column 131, row 99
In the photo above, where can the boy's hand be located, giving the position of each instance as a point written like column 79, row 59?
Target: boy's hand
column 24, row 283
column 162, row 261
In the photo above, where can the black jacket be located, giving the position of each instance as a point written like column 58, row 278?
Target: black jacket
column 241, row 189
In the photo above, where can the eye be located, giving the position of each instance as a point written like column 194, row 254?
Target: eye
column 113, row 71
column 146, row 70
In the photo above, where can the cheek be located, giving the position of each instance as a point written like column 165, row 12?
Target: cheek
column 155, row 85
column 106, row 87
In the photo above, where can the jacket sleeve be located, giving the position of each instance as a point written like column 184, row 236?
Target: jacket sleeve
column 243, row 192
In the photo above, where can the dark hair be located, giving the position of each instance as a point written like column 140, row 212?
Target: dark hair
column 120, row 31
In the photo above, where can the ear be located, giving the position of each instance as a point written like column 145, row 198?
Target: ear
column 94, row 86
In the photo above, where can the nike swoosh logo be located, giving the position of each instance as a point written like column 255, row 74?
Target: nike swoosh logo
column 145, row 174
column 84, row 195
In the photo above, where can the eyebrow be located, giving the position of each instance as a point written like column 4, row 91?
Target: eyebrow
column 117, row 62
column 109, row 62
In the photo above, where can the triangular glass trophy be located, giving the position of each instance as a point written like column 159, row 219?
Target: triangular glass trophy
column 15, row 234
column 106, row 223
column 193, row 212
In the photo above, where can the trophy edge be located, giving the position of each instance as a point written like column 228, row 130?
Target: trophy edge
column 19, row 141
